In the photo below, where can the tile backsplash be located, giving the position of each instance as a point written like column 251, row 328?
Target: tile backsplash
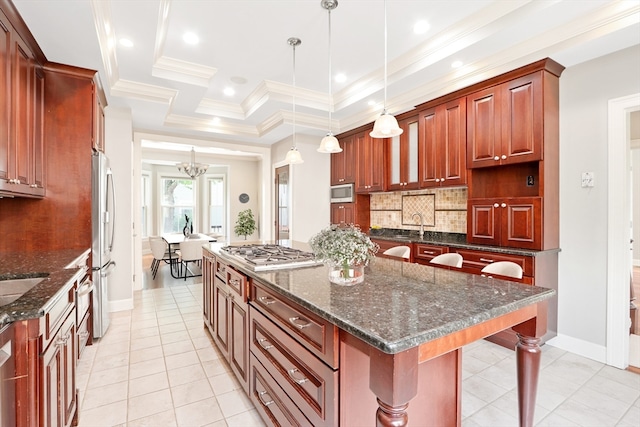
column 443, row 210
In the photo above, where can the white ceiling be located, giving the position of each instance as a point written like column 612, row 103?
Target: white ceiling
column 177, row 89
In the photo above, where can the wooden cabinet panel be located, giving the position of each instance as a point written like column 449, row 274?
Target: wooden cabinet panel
column 423, row 253
column 343, row 164
column 513, row 222
column 505, row 123
column 316, row 334
column 370, row 171
column 271, row 402
column 342, row 213
column 443, row 138
column 5, row 96
column 208, row 262
column 221, row 307
column 308, row 382
column 38, row 163
column 20, row 129
column 239, row 351
column 402, row 156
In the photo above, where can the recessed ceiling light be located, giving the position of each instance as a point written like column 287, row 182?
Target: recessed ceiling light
column 456, row 64
column 421, row 27
column 238, row 80
column 215, row 121
column 126, row 42
column 229, row 91
column 190, row 38
column 371, row 103
column 340, row 78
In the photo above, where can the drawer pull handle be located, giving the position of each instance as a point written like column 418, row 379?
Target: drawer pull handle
column 265, row 402
column 267, row 300
column 486, row 260
column 292, row 372
column 262, row 344
column 429, row 252
column 234, row 282
column 298, row 323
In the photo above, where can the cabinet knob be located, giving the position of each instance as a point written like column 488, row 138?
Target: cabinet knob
column 34, row 186
column 504, row 205
column 437, row 179
column 503, row 157
column 496, row 158
column 496, row 205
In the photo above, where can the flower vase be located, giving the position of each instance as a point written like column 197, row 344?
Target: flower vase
column 346, row 275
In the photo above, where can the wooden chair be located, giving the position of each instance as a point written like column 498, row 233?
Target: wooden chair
column 451, row 259
column 160, row 251
column 403, row 252
column 503, row 268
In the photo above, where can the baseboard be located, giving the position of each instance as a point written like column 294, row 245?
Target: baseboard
column 121, row 305
column 580, row 347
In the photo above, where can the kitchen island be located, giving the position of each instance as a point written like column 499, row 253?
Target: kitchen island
column 390, row 347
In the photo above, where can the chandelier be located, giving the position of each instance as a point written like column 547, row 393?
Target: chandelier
column 192, row 169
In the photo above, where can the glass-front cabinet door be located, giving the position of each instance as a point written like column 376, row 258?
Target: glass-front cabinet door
column 403, row 156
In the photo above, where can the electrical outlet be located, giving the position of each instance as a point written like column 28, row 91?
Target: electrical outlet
column 587, row 179
column 530, row 181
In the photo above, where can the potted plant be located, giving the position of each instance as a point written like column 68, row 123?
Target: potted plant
column 245, row 224
column 346, row 250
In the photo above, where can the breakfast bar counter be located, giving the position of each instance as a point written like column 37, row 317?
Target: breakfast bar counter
column 403, row 328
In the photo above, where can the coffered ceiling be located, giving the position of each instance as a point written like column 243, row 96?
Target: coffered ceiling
column 175, row 88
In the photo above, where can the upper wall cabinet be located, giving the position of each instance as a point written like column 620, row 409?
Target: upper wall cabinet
column 402, row 156
column 370, row 163
column 343, row 164
column 21, row 115
column 443, row 138
column 505, row 123
column 99, row 102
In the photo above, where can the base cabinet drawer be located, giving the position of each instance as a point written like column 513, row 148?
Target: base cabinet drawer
column 308, row 382
column 270, row 401
column 423, row 254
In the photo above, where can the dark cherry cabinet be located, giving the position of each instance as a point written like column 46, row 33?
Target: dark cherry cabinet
column 21, row 116
column 370, row 170
column 226, row 313
column 402, row 156
column 342, row 213
column 424, row 253
column 343, row 164
column 442, row 150
column 512, row 222
column 505, row 122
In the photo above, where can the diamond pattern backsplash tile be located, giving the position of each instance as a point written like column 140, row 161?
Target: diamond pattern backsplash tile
column 424, row 204
column 444, row 210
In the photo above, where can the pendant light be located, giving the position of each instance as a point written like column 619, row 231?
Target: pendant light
column 329, row 143
column 293, row 155
column 192, row 169
column 386, row 125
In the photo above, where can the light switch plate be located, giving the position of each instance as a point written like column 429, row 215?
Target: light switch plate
column 587, row 179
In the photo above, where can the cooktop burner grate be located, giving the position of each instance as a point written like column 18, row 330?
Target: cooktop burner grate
column 269, row 256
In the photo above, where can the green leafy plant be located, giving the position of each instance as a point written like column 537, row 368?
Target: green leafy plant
column 343, row 246
column 245, row 224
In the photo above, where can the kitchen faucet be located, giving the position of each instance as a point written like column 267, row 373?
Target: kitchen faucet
column 421, row 223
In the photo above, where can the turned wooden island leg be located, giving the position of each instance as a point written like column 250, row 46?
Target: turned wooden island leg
column 528, row 362
column 393, row 379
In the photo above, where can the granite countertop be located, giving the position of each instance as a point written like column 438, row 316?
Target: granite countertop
column 453, row 240
column 399, row 305
column 50, row 265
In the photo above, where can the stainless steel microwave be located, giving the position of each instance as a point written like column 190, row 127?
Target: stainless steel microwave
column 342, row 193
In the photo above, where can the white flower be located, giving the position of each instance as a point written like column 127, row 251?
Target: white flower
column 343, row 246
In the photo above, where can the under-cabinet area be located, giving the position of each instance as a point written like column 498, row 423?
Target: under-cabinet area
column 308, row 352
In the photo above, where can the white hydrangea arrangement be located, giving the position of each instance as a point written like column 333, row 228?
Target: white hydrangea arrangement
column 343, row 246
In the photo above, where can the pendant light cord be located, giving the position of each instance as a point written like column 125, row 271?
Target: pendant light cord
column 385, row 57
column 330, row 93
column 294, row 95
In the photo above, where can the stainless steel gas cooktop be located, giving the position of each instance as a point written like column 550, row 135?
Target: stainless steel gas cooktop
column 260, row 257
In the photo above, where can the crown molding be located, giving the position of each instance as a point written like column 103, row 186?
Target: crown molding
column 183, row 71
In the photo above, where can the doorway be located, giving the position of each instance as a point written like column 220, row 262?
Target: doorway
column 282, row 214
column 619, row 217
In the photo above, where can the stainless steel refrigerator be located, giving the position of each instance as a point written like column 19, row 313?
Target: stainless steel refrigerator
column 103, row 230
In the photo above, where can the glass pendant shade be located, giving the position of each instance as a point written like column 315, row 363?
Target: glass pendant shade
column 329, row 144
column 385, row 126
column 293, row 157
column 192, row 169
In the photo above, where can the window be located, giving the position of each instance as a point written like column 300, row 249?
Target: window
column 216, row 204
column 145, row 202
column 177, row 200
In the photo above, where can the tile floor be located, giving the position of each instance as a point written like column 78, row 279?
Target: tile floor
column 157, row 366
